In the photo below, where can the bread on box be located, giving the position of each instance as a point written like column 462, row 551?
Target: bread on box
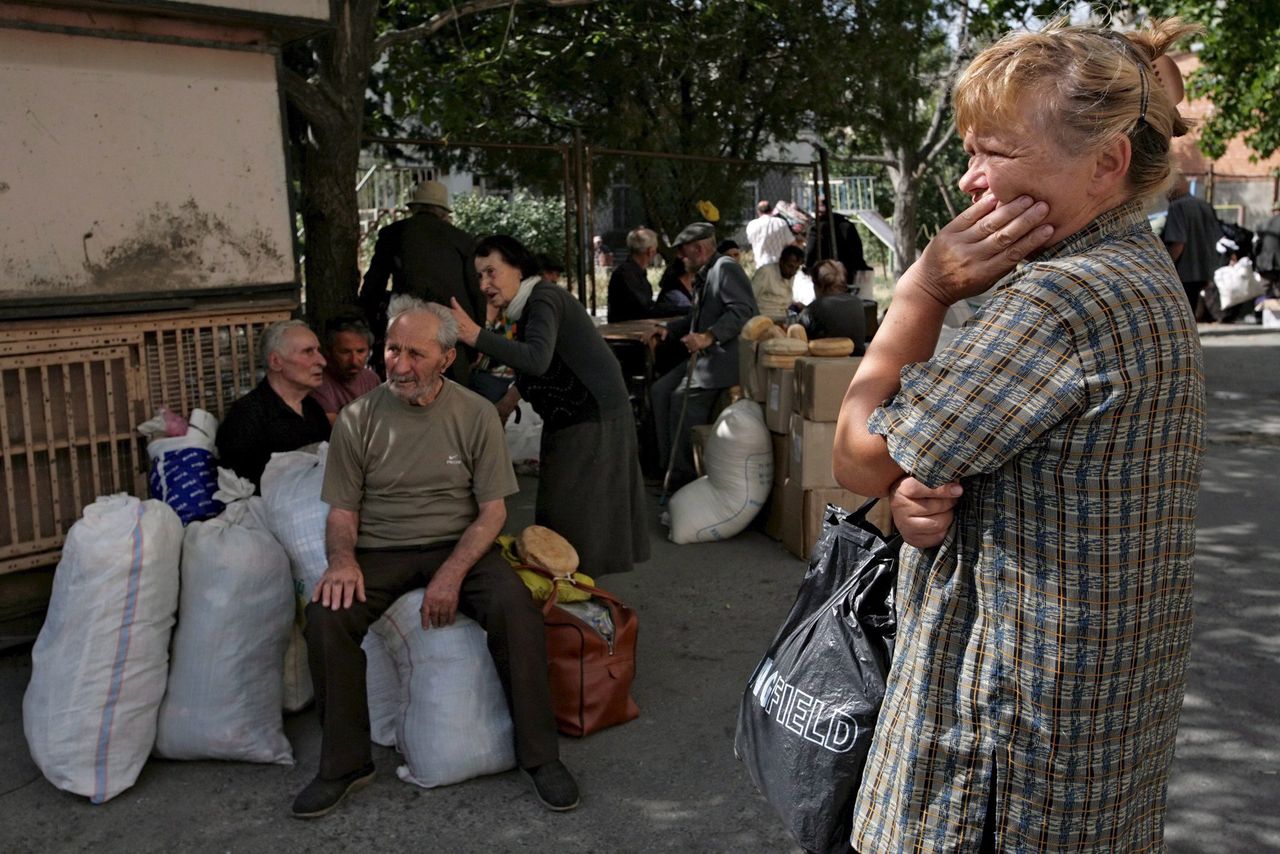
column 797, row 332
column 782, row 352
column 831, row 347
column 760, row 328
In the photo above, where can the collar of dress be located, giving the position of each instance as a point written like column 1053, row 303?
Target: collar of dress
column 1108, row 225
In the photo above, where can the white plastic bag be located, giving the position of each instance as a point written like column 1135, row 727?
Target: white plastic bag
column 99, row 666
column 382, row 684
column 524, row 438
column 183, row 473
column 1238, row 283
column 453, row 723
column 738, row 459
column 235, row 614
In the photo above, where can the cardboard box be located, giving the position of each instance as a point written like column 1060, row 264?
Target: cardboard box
column 777, row 408
column 788, row 528
column 821, row 383
column 752, row 376
column 815, row 511
column 781, row 458
column 811, row 444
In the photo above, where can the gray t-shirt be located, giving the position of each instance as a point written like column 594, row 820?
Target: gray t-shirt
column 416, row 474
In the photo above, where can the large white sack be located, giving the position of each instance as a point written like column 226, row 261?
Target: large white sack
column 99, row 665
column 291, row 486
column 235, row 613
column 291, row 490
column 738, row 459
column 382, row 684
column 453, row 722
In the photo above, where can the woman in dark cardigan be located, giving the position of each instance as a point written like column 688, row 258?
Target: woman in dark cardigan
column 590, row 489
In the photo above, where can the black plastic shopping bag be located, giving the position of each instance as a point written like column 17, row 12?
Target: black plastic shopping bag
column 807, row 716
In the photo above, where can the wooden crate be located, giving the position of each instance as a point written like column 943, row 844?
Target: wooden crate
column 72, row 393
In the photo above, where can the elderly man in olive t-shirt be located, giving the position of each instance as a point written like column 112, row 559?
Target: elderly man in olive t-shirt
column 415, row 479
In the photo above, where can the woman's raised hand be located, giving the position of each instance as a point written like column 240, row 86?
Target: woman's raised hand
column 468, row 329
column 979, row 246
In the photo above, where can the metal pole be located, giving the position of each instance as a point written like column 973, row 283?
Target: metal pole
column 816, row 192
column 568, row 214
column 831, row 207
column 591, row 222
column 578, row 213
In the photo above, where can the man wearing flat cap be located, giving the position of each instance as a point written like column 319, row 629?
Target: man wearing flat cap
column 723, row 302
column 425, row 256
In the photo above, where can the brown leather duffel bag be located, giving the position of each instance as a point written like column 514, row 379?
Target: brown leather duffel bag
column 590, row 674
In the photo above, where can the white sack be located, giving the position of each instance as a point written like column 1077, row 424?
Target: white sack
column 235, row 613
column 738, row 459
column 291, row 490
column 99, row 665
column 382, row 684
column 453, row 722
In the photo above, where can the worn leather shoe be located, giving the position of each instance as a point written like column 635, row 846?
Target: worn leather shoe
column 554, row 786
column 321, row 796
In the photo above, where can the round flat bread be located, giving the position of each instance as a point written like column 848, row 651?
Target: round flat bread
column 543, row 547
column 778, row 360
column 757, row 328
column 785, row 347
column 831, row 347
column 797, row 332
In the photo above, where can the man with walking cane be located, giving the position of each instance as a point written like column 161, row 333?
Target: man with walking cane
column 685, row 396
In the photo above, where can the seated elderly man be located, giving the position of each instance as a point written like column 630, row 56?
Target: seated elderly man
column 685, row 396
column 772, row 284
column 347, row 375
column 278, row 414
column 416, row 479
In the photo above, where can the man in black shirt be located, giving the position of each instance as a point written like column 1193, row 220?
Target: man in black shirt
column 630, row 294
column 277, row 415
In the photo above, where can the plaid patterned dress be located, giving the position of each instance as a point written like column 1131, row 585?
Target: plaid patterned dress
column 1046, row 640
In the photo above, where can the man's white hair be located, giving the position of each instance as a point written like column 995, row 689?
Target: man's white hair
column 641, row 240
column 446, row 332
column 272, row 340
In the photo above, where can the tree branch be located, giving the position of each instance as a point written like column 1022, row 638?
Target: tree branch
column 443, row 19
column 304, row 95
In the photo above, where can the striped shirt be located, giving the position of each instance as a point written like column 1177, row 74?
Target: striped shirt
column 1045, row 641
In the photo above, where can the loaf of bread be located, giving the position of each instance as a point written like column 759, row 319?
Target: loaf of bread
column 785, row 347
column 543, row 547
column 797, row 332
column 759, row 328
column 779, row 360
column 831, row 347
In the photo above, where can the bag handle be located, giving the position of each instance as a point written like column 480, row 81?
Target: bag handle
column 555, row 588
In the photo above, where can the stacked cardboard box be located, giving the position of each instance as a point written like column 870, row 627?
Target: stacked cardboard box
column 801, row 408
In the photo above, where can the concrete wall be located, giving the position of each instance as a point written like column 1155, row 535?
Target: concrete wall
column 131, row 167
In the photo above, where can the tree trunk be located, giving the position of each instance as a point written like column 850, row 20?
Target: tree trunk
column 906, row 204
column 330, row 220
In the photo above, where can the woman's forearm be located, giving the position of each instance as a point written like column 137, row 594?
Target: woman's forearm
column 909, row 334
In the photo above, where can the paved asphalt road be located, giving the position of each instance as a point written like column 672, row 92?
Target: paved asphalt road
column 668, row 781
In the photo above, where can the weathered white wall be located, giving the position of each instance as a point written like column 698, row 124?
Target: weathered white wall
column 132, row 167
column 318, row 9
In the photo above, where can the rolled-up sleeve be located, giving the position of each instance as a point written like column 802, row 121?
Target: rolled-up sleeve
column 1004, row 382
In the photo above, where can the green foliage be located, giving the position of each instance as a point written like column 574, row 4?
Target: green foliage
column 537, row 222
column 708, row 77
column 1239, row 72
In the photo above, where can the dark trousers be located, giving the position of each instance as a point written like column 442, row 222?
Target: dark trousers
column 668, row 394
column 492, row 595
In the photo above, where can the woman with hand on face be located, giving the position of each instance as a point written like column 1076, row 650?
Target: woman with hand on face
column 1043, row 468
column 590, row 489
